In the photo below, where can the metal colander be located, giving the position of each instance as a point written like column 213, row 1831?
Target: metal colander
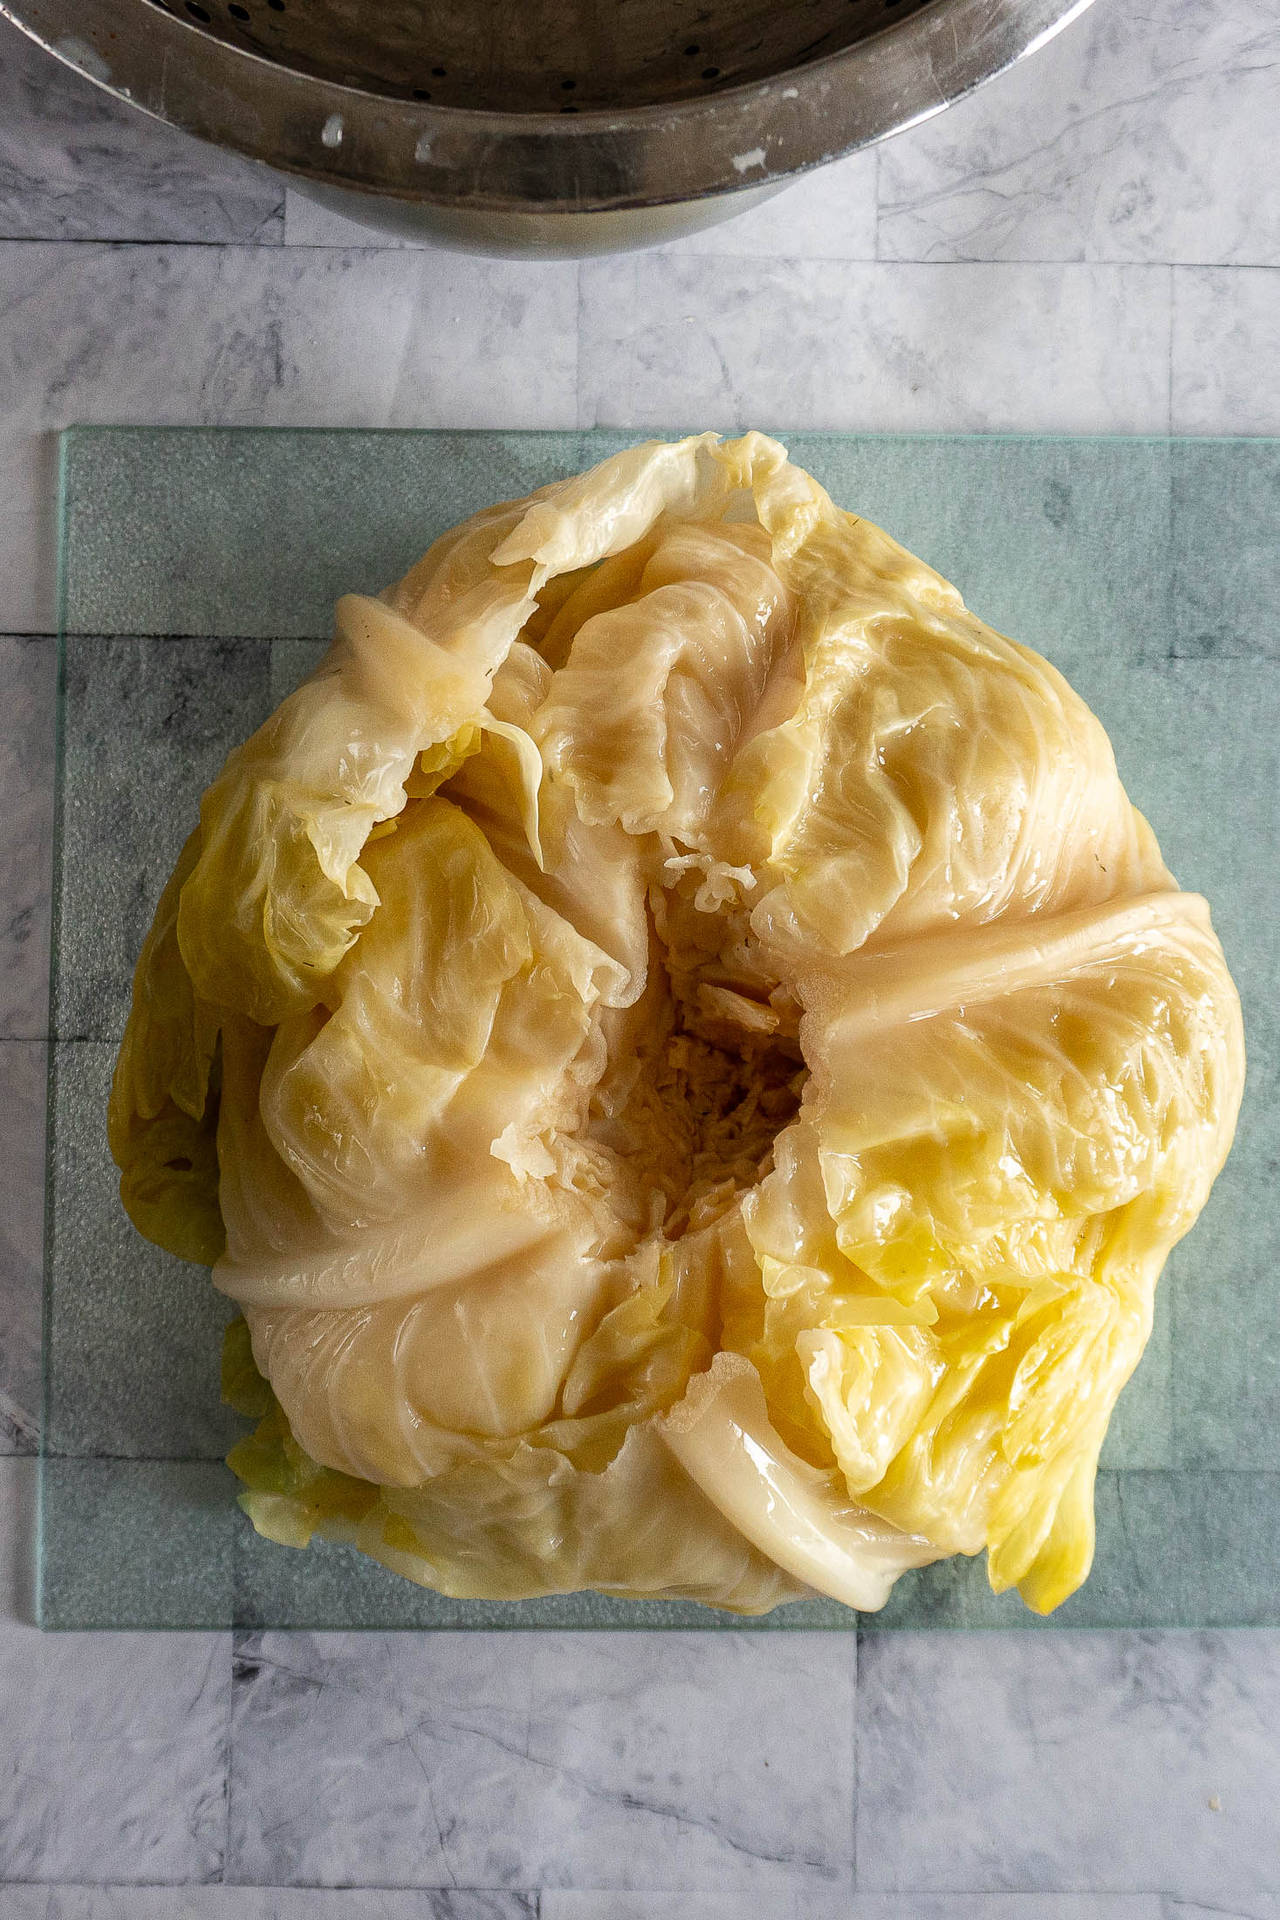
column 525, row 122
column 542, row 56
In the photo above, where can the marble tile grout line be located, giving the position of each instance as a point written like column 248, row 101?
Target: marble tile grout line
column 122, row 242
column 876, row 258
column 763, row 257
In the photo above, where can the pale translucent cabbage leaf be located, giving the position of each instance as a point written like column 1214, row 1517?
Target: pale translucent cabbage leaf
column 687, row 1058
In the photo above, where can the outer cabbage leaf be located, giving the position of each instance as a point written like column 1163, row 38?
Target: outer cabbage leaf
column 698, row 1061
column 1015, row 1155
column 163, row 1110
column 931, row 772
column 594, row 1499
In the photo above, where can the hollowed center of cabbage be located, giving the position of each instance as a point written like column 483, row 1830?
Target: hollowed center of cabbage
column 705, row 1076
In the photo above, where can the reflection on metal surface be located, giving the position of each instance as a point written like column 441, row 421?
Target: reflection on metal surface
column 502, row 126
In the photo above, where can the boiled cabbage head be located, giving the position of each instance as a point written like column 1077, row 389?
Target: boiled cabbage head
column 686, row 1057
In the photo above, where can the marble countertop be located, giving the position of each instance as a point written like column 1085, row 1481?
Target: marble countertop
column 1090, row 243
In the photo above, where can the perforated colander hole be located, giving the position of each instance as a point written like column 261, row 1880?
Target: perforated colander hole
column 691, row 51
column 441, row 73
column 711, row 73
column 198, row 12
column 238, row 13
column 422, row 93
column 276, row 6
column 567, row 86
column 569, row 108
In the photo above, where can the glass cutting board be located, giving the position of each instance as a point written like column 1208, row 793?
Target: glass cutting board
column 199, row 571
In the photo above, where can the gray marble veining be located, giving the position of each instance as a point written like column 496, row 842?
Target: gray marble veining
column 259, row 336
column 34, row 1902
column 1119, row 1762
column 1257, row 1907
column 1226, row 350
column 1135, row 135
column 864, row 1906
column 603, row 1760
column 111, row 1767
column 76, row 164
column 1064, row 349
column 261, row 1903
column 804, row 1904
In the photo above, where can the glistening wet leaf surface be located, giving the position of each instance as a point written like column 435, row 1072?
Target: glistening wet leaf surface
column 200, row 569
